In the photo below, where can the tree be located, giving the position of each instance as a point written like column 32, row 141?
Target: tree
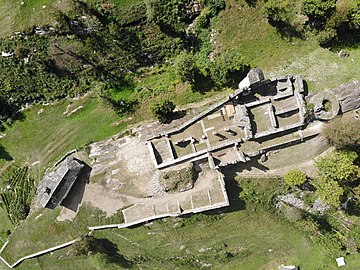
column 318, row 9
column 215, row 5
column 162, row 109
column 329, row 191
column 277, row 12
column 227, row 67
column 171, row 13
column 185, row 67
column 338, row 166
column 343, row 132
column 295, row 177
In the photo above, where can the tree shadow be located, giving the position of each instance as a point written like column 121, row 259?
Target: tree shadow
column 105, row 246
column 176, row 116
column 4, row 154
column 345, row 39
column 353, row 208
column 202, row 83
column 251, row 3
column 76, row 193
column 289, row 33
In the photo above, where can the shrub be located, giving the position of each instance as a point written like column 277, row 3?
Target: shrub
column 338, row 166
column 227, row 68
column 295, row 177
column 327, row 37
column 277, row 12
column 185, row 67
column 318, row 9
column 215, row 6
column 329, row 191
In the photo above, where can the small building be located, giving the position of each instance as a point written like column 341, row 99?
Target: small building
column 55, row 186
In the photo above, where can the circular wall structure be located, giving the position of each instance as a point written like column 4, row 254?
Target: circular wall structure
column 326, row 106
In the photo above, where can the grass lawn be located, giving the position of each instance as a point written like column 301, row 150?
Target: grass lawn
column 41, row 230
column 239, row 238
column 5, row 225
column 41, row 139
column 18, row 17
column 236, row 240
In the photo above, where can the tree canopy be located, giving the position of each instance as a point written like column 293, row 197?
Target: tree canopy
column 329, row 191
column 338, row 166
column 185, row 67
column 318, row 9
column 227, row 67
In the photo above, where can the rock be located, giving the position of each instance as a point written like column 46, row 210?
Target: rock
column 343, row 54
column 348, row 95
column 41, row 111
column 263, row 158
column 319, row 206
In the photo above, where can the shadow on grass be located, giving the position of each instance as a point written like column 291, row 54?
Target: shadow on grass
column 4, row 154
column 111, row 251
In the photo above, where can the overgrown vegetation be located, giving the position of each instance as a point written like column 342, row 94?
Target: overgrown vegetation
column 343, row 132
column 179, row 181
column 17, row 191
column 136, row 56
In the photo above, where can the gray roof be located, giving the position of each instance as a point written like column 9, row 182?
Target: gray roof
column 255, row 75
column 56, row 185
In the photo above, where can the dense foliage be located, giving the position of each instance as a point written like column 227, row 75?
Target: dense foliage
column 338, row 166
column 318, row 9
column 277, row 12
column 102, row 47
column 295, row 177
column 329, row 191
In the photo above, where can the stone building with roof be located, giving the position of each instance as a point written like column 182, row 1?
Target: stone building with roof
column 55, row 186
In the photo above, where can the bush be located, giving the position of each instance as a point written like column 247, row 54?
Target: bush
column 162, row 109
column 215, row 6
column 327, row 37
column 277, row 12
column 227, row 68
column 295, row 177
column 329, row 191
column 185, row 67
column 318, row 9
column 338, row 166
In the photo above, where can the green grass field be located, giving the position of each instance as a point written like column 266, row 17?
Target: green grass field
column 42, row 138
